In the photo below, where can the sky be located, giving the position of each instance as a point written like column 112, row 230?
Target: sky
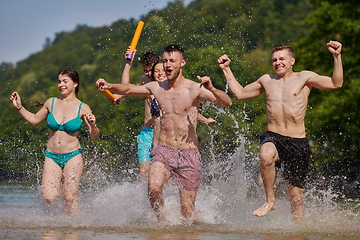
column 25, row 24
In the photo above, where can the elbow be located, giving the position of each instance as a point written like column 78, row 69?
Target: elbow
column 240, row 98
column 96, row 137
column 34, row 123
column 339, row 85
column 237, row 98
column 229, row 104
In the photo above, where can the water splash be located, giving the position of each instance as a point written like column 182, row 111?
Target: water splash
column 227, row 196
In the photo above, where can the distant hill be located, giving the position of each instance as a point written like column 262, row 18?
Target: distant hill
column 244, row 29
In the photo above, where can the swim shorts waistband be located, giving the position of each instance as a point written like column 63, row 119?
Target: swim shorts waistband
column 177, row 148
column 284, row 135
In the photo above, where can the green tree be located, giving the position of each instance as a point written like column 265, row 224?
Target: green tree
column 336, row 134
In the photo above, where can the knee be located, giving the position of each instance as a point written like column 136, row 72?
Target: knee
column 154, row 189
column 268, row 154
column 49, row 197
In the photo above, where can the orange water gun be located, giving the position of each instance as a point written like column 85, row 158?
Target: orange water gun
column 110, row 95
column 135, row 39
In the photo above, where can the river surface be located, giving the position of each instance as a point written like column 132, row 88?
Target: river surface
column 122, row 211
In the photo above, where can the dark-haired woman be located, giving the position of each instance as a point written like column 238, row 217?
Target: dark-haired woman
column 64, row 116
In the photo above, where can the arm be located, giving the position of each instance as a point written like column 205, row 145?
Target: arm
column 31, row 118
column 125, row 77
column 240, row 93
column 140, row 91
column 90, row 120
column 337, row 79
column 219, row 97
column 204, row 120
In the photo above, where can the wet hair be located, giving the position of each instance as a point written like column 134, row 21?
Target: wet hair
column 73, row 74
column 149, row 58
column 153, row 68
column 174, row 48
column 281, row 47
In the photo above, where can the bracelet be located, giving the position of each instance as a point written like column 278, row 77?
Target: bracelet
column 228, row 81
column 19, row 108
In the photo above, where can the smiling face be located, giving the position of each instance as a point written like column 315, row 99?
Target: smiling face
column 173, row 63
column 159, row 73
column 282, row 62
column 66, row 85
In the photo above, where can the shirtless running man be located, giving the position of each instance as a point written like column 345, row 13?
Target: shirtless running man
column 177, row 153
column 287, row 95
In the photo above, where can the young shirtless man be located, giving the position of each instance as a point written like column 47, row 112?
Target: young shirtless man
column 153, row 71
column 177, row 153
column 287, row 95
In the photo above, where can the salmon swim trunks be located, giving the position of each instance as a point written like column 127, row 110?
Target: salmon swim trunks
column 183, row 163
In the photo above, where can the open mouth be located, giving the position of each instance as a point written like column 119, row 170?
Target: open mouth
column 279, row 67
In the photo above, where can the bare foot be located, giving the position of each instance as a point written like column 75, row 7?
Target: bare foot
column 264, row 209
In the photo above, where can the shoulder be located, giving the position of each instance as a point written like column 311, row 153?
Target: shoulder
column 266, row 78
column 49, row 101
column 307, row 75
column 189, row 82
column 144, row 79
column 85, row 108
column 191, row 85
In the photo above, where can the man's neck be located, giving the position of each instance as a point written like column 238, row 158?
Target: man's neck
column 177, row 81
column 286, row 75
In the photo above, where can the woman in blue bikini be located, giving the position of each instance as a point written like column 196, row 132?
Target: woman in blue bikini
column 64, row 115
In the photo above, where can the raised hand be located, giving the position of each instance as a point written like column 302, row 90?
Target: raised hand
column 334, row 47
column 223, row 61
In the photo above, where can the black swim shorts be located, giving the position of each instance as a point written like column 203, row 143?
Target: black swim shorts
column 294, row 153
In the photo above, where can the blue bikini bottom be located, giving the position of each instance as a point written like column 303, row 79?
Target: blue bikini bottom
column 62, row 158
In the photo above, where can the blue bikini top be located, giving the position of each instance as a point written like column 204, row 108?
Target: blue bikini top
column 72, row 126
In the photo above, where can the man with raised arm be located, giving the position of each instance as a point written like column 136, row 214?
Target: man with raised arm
column 285, row 141
column 177, row 153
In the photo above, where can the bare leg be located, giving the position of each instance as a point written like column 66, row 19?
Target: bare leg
column 157, row 177
column 296, row 202
column 187, row 201
column 72, row 174
column 269, row 156
column 144, row 171
column 51, row 181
